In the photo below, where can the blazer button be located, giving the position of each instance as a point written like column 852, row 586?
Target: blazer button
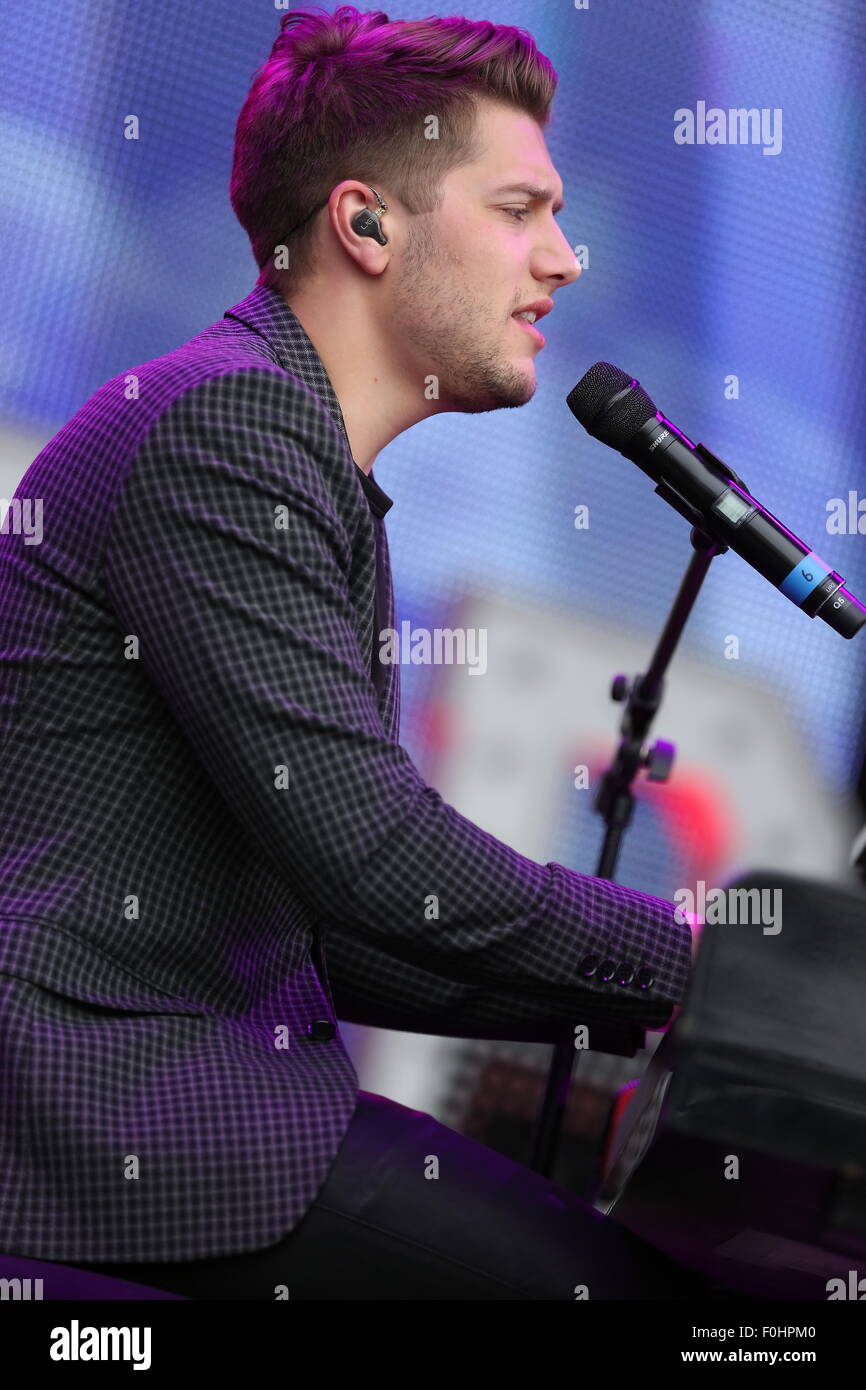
column 607, row 969
column 322, row 1030
column 588, row 965
column 625, row 973
column 645, row 978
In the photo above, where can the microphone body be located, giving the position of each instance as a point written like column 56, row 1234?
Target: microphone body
column 615, row 409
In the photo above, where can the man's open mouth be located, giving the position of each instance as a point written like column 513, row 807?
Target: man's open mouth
column 522, row 321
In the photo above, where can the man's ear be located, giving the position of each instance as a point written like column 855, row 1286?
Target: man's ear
column 358, row 227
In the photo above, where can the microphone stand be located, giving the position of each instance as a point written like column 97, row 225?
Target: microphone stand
column 614, row 800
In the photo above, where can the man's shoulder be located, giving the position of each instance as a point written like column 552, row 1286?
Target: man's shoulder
column 222, row 394
column 223, row 365
column 223, row 404
column 224, row 378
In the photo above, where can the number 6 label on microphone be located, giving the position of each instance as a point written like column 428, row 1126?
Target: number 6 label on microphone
column 799, row 584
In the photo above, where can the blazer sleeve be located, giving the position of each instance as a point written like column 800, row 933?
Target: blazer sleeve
column 372, row 987
column 229, row 559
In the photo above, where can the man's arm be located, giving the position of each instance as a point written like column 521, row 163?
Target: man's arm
column 248, row 631
column 374, row 988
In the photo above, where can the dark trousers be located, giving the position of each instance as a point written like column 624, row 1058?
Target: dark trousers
column 383, row 1227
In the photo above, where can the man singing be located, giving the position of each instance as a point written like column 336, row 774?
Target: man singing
column 214, row 845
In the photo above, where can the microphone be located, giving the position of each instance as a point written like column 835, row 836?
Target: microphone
column 613, row 407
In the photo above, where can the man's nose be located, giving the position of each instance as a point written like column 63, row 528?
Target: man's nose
column 574, row 269
column 565, row 266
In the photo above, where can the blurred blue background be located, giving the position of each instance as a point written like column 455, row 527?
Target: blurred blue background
column 704, row 262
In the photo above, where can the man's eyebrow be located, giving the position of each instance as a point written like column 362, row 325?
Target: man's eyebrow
column 532, row 190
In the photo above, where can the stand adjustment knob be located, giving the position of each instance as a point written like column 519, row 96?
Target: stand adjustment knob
column 659, row 760
column 619, row 689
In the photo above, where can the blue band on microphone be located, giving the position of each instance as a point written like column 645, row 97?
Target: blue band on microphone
column 804, row 577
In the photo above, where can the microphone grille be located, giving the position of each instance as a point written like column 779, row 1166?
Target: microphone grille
column 589, row 400
column 594, row 390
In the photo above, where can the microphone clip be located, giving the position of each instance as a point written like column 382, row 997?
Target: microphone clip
column 702, row 537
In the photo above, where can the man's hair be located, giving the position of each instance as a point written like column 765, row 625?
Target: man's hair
column 350, row 96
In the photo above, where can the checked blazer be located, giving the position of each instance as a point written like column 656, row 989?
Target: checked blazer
column 213, row 845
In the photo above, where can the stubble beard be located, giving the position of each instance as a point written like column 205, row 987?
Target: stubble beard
column 452, row 331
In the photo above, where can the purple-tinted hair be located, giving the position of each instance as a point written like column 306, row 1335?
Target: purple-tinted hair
column 351, row 96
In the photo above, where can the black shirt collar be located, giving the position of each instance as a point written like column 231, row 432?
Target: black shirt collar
column 379, row 501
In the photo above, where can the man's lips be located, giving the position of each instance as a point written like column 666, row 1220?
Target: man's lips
column 530, row 328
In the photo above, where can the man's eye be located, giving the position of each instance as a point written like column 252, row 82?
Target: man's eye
column 518, row 213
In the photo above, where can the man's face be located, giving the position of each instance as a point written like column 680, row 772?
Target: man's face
column 482, row 255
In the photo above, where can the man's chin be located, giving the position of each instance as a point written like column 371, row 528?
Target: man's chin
column 502, row 394
column 520, row 390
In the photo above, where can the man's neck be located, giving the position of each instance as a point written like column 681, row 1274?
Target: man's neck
column 377, row 402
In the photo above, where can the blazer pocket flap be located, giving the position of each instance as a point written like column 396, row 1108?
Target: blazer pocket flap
column 56, row 959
